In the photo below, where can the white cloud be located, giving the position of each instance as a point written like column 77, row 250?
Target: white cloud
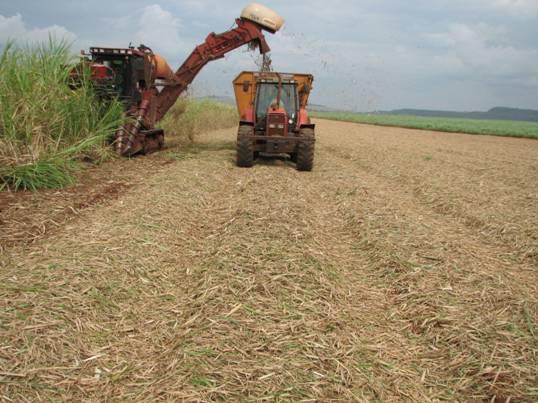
column 14, row 28
column 152, row 26
column 519, row 8
column 159, row 29
column 480, row 50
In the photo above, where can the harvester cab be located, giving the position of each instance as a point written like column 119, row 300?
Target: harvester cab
column 274, row 120
column 120, row 72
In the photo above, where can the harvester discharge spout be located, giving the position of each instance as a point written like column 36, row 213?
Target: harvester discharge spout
column 266, row 18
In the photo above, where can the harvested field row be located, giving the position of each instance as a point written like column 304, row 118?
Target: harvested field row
column 402, row 268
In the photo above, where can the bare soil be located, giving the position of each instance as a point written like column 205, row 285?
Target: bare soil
column 403, row 267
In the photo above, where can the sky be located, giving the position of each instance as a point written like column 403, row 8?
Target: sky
column 365, row 55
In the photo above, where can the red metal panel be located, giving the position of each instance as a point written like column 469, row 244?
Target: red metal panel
column 277, row 122
column 248, row 116
column 303, row 118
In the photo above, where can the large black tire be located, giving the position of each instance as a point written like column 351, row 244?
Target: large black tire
column 305, row 150
column 245, row 147
column 293, row 157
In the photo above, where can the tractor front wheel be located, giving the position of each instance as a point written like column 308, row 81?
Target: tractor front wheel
column 293, row 157
column 305, row 150
column 245, row 147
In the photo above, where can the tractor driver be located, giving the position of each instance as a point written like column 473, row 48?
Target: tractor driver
column 274, row 104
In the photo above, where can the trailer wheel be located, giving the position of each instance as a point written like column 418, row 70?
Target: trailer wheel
column 245, row 147
column 305, row 150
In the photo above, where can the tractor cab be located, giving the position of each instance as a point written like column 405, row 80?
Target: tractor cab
column 276, row 106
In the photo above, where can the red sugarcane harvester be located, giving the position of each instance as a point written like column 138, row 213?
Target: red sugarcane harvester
column 148, row 87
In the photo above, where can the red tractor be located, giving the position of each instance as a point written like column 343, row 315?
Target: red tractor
column 274, row 120
column 148, row 87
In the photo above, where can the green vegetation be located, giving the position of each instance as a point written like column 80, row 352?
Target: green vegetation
column 45, row 126
column 492, row 127
column 189, row 117
column 43, row 174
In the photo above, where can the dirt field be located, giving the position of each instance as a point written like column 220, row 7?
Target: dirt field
column 404, row 267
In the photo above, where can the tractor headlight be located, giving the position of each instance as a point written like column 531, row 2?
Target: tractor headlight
column 272, row 126
column 281, row 126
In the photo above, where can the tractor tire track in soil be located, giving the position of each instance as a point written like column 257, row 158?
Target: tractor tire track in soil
column 402, row 268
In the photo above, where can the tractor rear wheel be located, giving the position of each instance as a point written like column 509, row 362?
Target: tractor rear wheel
column 305, row 150
column 245, row 147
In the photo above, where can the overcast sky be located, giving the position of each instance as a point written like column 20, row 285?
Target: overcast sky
column 365, row 54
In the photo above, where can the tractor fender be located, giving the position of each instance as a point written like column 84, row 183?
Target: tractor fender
column 304, row 120
column 248, row 116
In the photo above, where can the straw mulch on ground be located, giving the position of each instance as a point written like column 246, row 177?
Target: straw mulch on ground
column 402, row 268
